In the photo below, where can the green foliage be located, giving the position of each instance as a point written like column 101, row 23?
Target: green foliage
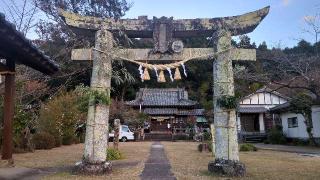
column 228, row 102
column 248, row 147
column 44, row 140
column 276, row 136
column 300, row 142
column 113, row 154
column 100, row 97
column 209, row 143
column 60, row 116
column 207, row 136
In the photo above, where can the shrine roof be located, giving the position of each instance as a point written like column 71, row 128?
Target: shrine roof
column 16, row 47
column 162, row 97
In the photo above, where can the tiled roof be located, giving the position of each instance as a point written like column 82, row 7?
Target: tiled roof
column 162, row 97
column 15, row 47
column 252, row 110
column 281, row 107
column 173, row 111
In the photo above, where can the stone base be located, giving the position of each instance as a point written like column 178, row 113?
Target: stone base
column 6, row 163
column 227, row 167
column 92, row 169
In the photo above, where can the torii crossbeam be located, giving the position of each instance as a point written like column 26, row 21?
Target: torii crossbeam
column 165, row 31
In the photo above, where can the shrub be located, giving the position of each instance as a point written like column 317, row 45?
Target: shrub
column 206, row 136
column 276, row 136
column 113, row 154
column 43, row 140
column 248, row 147
column 68, row 139
column 209, row 143
column 61, row 114
column 300, row 142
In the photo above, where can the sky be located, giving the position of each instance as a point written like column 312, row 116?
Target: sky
column 283, row 27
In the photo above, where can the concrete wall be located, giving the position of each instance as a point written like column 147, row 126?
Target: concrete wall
column 300, row 131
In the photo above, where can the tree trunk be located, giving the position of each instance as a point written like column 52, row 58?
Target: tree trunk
column 309, row 126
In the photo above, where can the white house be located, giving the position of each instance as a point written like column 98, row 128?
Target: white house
column 253, row 116
column 293, row 124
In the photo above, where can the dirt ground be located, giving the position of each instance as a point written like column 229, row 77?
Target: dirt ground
column 188, row 163
column 130, row 167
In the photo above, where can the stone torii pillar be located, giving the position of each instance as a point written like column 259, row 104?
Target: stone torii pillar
column 226, row 142
column 96, row 139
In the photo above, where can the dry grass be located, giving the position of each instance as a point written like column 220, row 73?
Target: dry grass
column 188, row 163
column 68, row 155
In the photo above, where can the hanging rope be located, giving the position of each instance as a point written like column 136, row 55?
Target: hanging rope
column 162, row 67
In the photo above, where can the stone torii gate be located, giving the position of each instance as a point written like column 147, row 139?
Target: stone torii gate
column 165, row 33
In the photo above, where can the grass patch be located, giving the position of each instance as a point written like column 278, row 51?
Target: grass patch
column 248, row 147
column 113, row 154
column 260, row 164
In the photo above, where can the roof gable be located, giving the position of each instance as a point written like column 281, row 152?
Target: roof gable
column 264, row 96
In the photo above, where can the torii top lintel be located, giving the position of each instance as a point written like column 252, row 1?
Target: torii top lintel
column 144, row 27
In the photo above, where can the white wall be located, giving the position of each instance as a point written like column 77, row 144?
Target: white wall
column 316, row 120
column 296, row 132
column 300, row 131
column 266, row 99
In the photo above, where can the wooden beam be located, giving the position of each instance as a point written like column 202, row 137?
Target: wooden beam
column 143, row 27
column 148, row 55
column 8, row 113
column 5, row 69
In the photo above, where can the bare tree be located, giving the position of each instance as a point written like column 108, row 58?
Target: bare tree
column 22, row 13
column 313, row 27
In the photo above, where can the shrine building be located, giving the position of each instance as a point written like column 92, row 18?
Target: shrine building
column 167, row 106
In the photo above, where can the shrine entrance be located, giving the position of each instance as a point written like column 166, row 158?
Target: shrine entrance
column 166, row 33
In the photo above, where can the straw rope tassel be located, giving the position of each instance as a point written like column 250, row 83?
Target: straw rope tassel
column 177, row 75
column 161, row 77
column 146, row 75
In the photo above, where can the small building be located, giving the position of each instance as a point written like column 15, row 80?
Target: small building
column 170, row 109
column 293, row 124
column 253, row 117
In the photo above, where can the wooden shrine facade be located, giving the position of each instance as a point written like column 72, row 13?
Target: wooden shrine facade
column 169, row 109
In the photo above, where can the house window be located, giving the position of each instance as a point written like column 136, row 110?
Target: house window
column 292, row 122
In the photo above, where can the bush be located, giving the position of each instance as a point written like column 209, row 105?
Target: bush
column 206, row 136
column 209, row 143
column 68, row 139
column 248, row 147
column 43, row 140
column 276, row 136
column 300, row 142
column 62, row 115
column 113, row 154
